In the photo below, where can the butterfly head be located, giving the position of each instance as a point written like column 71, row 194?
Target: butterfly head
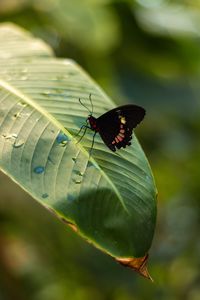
column 92, row 122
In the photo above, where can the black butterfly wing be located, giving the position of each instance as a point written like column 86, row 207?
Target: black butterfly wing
column 116, row 125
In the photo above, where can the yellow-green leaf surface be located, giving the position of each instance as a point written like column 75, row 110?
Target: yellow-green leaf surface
column 109, row 197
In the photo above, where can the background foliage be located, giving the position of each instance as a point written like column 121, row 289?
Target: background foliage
column 141, row 51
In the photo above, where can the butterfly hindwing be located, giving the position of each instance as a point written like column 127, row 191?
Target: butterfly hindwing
column 116, row 125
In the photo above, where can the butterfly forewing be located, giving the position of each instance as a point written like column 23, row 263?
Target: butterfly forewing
column 116, row 125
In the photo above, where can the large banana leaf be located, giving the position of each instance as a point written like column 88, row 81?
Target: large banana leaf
column 107, row 198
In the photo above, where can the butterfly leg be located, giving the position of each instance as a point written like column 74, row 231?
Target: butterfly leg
column 79, row 130
column 92, row 144
column 85, row 127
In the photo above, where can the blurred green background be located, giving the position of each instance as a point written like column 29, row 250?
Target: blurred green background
column 142, row 51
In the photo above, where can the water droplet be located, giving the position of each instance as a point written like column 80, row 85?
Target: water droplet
column 46, row 93
column 62, row 139
column 22, row 103
column 78, row 181
column 45, row 195
column 39, row 170
column 79, row 173
column 19, row 143
column 10, row 136
column 17, row 115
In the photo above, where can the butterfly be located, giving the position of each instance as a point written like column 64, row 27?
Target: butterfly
column 115, row 126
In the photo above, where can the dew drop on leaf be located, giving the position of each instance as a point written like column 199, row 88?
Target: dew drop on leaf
column 46, row 93
column 22, row 103
column 45, row 195
column 18, row 144
column 39, row 170
column 62, row 139
column 17, row 115
column 10, row 136
column 78, row 181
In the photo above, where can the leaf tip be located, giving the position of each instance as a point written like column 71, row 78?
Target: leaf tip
column 137, row 264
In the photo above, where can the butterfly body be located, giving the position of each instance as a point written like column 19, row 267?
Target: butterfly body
column 93, row 123
column 115, row 126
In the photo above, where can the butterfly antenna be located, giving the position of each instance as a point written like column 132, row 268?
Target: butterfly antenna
column 84, row 105
column 90, row 97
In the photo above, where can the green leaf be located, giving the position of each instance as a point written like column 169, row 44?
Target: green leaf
column 109, row 198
